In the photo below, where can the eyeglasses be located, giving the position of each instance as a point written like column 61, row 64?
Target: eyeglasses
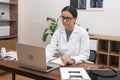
column 68, row 19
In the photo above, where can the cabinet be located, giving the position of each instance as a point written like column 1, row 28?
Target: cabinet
column 10, row 40
column 108, row 50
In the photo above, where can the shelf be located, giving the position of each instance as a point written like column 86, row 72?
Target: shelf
column 103, row 45
column 102, row 52
column 115, row 47
column 7, row 37
column 10, row 41
column 114, row 61
column 8, row 3
column 103, row 37
column 108, row 50
column 102, row 59
column 7, row 20
column 114, row 54
column 9, row 44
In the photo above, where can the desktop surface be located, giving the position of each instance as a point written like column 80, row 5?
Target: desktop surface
column 13, row 67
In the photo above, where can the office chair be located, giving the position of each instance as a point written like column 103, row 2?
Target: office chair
column 92, row 57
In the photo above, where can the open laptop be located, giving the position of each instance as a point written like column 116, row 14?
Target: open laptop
column 33, row 57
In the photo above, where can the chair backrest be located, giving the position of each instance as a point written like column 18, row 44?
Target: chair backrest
column 93, row 56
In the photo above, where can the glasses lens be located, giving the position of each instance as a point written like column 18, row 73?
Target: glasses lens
column 62, row 17
column 68, row 19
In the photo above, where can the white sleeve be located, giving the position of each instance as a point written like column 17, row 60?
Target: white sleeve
column 52, row 48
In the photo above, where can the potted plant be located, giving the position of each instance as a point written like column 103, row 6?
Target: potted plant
column 52, row 28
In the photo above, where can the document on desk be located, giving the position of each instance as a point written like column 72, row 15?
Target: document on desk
column 74, row 73
column 57, row 61
column 11, row 55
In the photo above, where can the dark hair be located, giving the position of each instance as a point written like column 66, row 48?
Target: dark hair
column 70, row 9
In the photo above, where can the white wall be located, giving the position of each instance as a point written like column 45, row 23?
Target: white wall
column 102, row 22
column 33, row 13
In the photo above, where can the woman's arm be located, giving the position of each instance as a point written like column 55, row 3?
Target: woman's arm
column 51, row 48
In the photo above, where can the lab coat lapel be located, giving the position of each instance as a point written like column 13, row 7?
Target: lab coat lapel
column 63, row 32
column 64, row 36
column 75, row 30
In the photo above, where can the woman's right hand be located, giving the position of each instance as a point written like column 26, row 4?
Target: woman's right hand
column 67, row 60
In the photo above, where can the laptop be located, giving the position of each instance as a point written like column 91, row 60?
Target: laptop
column 33, row 57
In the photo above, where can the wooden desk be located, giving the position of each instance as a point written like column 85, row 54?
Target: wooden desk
column 13, row 67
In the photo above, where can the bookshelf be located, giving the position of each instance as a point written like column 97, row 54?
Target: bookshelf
column 9, row 41
column 108, row 50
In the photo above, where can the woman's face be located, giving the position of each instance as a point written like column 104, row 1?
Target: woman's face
column 68, row 20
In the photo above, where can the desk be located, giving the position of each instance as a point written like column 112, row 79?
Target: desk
column 13, row 67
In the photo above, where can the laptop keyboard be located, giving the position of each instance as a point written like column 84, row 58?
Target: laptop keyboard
column 49, row 67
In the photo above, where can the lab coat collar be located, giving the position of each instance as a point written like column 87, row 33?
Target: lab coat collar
column 74, row 30
column 63, row 32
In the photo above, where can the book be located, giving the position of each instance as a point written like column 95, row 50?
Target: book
column 74, row 73
column 57, row 61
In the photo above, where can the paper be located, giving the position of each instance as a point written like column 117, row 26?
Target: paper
column 74, row 74
column 57, row 61
column 11, row 55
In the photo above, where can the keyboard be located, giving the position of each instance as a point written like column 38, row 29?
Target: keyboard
column 49, row 67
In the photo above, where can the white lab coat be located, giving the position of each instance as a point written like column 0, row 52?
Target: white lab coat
column 77, row 47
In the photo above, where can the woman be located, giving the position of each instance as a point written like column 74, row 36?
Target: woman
column 71, row 41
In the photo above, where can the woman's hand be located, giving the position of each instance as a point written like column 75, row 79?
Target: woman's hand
column 67, row 60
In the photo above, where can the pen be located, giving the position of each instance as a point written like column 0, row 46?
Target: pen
column 53, row 59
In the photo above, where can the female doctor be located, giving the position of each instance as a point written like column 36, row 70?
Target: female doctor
column 71, row 41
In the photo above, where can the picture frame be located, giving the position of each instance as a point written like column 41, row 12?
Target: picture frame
column 88, row 4
column 79, row 4
column 95, row 5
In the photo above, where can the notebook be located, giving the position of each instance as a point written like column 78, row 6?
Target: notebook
column 57, row 61
column 33, row 57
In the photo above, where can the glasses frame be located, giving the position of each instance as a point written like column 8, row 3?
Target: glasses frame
column 68, row 19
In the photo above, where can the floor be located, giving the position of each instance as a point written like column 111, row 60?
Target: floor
column 8, row 76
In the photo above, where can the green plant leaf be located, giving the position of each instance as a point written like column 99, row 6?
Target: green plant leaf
column 51, row 19
column 46, row 30
column 53, row 27
column 45, row 36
